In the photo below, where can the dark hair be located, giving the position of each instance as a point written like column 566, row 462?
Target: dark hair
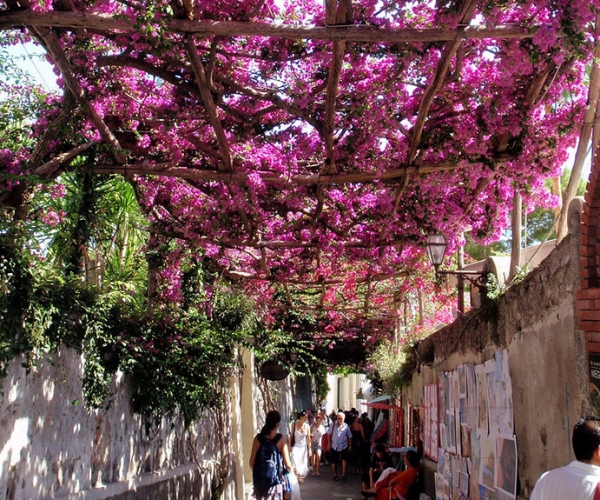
column 271, row 422
column 586, row 438
column 379, row 447
column 301, row 414
column 413, row 458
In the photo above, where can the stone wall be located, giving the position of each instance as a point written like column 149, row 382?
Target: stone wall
column 536, row 323
column 52, row 446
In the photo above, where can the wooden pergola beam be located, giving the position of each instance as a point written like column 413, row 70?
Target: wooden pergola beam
column 375, row 278
column 437, row 82
column 103, row 23
column 335, row 15
column 278, row 244
column 175, row 170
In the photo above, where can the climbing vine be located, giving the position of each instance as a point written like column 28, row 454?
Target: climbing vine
column 176, row 358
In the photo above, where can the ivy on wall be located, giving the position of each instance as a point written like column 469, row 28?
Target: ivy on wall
column 179, row 358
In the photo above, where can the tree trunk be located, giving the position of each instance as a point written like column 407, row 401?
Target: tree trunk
column 515, row 255
column 591, row 115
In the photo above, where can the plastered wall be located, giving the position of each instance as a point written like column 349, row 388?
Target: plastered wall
column 52, row 446
column 536, row 323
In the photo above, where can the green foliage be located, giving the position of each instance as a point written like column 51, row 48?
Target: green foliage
column 295, row 354
column 321, row 386
column 98, row 231
column 180, row 359
column 538, row 226
column 15, row 288
column 21, row 102
column 392, row 366
column 177, row 363
column 495, row 289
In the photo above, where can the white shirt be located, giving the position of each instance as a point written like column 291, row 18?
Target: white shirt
column 317, row 432
column 340, row 436
column 576, row 481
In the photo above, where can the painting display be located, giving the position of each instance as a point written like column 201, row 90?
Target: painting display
column 398, row 426
column 477, row 457
column 430, row 422
column 594, row 374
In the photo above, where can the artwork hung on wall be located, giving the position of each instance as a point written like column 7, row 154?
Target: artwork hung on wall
column 477, row 456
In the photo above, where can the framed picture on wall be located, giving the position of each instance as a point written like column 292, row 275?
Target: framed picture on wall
column 593, row 349
column 398, row 427
column 431, row 429
column 487, row 462
column 506, row 464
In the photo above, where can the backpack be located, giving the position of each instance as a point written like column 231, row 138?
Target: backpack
column 268, row 465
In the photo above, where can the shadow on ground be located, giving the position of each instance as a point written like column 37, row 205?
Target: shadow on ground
column 325, row 488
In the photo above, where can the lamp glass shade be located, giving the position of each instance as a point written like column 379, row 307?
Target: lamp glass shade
column 436, row 248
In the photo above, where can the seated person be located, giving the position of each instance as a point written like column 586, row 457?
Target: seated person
column 398, row 481
column 380, row 461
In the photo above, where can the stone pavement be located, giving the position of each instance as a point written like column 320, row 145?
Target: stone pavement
column 325, row 488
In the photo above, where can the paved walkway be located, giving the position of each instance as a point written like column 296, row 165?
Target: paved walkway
column 325, row 488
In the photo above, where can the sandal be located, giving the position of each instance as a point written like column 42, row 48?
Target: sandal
column 344, row 478
column 335, row 478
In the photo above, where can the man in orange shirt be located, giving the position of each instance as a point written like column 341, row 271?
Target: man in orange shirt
column 398, row 481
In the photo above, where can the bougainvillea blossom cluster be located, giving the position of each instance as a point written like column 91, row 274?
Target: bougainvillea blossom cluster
column 320, row 159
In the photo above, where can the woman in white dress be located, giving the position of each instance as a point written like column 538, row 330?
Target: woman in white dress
column 301, row 446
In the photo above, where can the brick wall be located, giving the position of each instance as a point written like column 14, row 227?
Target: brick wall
column 588, row 298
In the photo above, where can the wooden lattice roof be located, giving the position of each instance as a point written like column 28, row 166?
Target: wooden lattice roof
column 315, row 152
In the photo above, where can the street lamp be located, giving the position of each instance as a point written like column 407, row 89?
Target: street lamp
column 436, row 248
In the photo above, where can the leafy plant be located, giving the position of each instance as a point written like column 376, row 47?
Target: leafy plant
column 494, row 289
column 392, row 365
column 178, row 358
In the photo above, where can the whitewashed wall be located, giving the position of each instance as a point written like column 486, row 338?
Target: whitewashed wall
column 52, row 446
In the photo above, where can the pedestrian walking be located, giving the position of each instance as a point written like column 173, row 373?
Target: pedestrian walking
column 325, row 440
column 301, row 446
column 268, row 457
column 341, row 445
column 579, row 480
column 318, row 431
column 358, row 440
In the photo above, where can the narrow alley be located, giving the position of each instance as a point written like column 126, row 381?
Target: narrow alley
column 325, row 488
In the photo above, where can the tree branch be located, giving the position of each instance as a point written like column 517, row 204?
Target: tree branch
column 209, row 103
column 436, row 84
column 53, row 47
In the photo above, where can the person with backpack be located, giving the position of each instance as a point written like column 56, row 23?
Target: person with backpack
column 269, row 459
